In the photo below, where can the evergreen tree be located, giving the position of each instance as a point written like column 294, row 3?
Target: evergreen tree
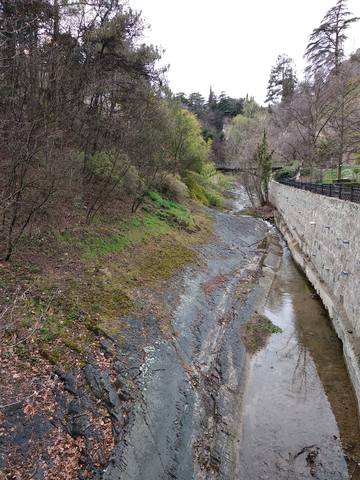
column 250, row 107
column 282, row 81
column 263, row 158
column 196, row 103
column 212, row 101
column 325, row 50
column 181, row 97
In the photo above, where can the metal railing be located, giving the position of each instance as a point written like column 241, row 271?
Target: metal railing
column 344, row 192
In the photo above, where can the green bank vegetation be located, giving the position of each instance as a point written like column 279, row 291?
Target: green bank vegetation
column 105, row 173
column 112, row 272
column 256, row 332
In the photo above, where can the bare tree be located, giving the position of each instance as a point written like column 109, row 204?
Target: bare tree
column 342, row 132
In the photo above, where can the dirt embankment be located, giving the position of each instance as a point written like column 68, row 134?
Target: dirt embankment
column 128, row 362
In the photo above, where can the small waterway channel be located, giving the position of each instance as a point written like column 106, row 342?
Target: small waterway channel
column 300, row 418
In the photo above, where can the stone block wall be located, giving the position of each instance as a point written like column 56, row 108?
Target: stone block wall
column 323, row 235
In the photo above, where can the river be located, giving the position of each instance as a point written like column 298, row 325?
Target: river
column 300, row 417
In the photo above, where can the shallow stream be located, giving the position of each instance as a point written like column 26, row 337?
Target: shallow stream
column 300, row 417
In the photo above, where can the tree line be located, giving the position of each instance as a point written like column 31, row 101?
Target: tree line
column 314, row 121
column 214, row 114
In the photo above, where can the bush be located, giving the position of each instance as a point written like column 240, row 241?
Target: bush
column 288, row 171
column 348, row 172
column 305, row 172
column 131, row 181
column 215, row 199
column 208, row 185
column 197, row 191
column 172, row 187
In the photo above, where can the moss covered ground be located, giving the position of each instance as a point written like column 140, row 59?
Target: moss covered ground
column 98, row 279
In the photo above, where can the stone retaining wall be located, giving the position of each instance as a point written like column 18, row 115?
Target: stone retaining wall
column 323, row 235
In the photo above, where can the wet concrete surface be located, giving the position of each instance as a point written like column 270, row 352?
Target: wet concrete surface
column 300, row 416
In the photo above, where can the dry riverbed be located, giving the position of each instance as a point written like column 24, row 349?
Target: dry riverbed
column 132, row 367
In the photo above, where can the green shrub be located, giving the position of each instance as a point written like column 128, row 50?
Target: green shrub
column 287, row 171
column 109, row 163
column 305, row 171
column 131, row 180
column 348, row 172
column 215, row 199
column 208, row 185
column 197, row 191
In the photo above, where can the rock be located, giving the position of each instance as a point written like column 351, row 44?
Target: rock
column 93, row 378
column 107, row 346
column 101, row 386
column 69, row 381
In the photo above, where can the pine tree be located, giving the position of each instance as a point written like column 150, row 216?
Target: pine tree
column 325, row 50
column 282, row 81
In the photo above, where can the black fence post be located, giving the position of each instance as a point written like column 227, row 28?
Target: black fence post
column 340, row 190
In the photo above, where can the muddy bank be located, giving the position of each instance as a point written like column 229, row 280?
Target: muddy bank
column 300, row 417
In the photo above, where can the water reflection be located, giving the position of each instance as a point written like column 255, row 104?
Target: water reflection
column 300, row 416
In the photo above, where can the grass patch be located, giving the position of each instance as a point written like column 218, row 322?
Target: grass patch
column 137, row 230
column 170, row 211
column 161, row 216
column 97, row 303
column 114, row 271
column 348, row 172
column 165, row 262
column 256, row 332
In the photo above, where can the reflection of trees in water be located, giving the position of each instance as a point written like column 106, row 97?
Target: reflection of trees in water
column 301, row 372
column 304, row 374
column 312, row 352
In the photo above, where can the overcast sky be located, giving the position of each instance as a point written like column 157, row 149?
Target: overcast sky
column 232, row 44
